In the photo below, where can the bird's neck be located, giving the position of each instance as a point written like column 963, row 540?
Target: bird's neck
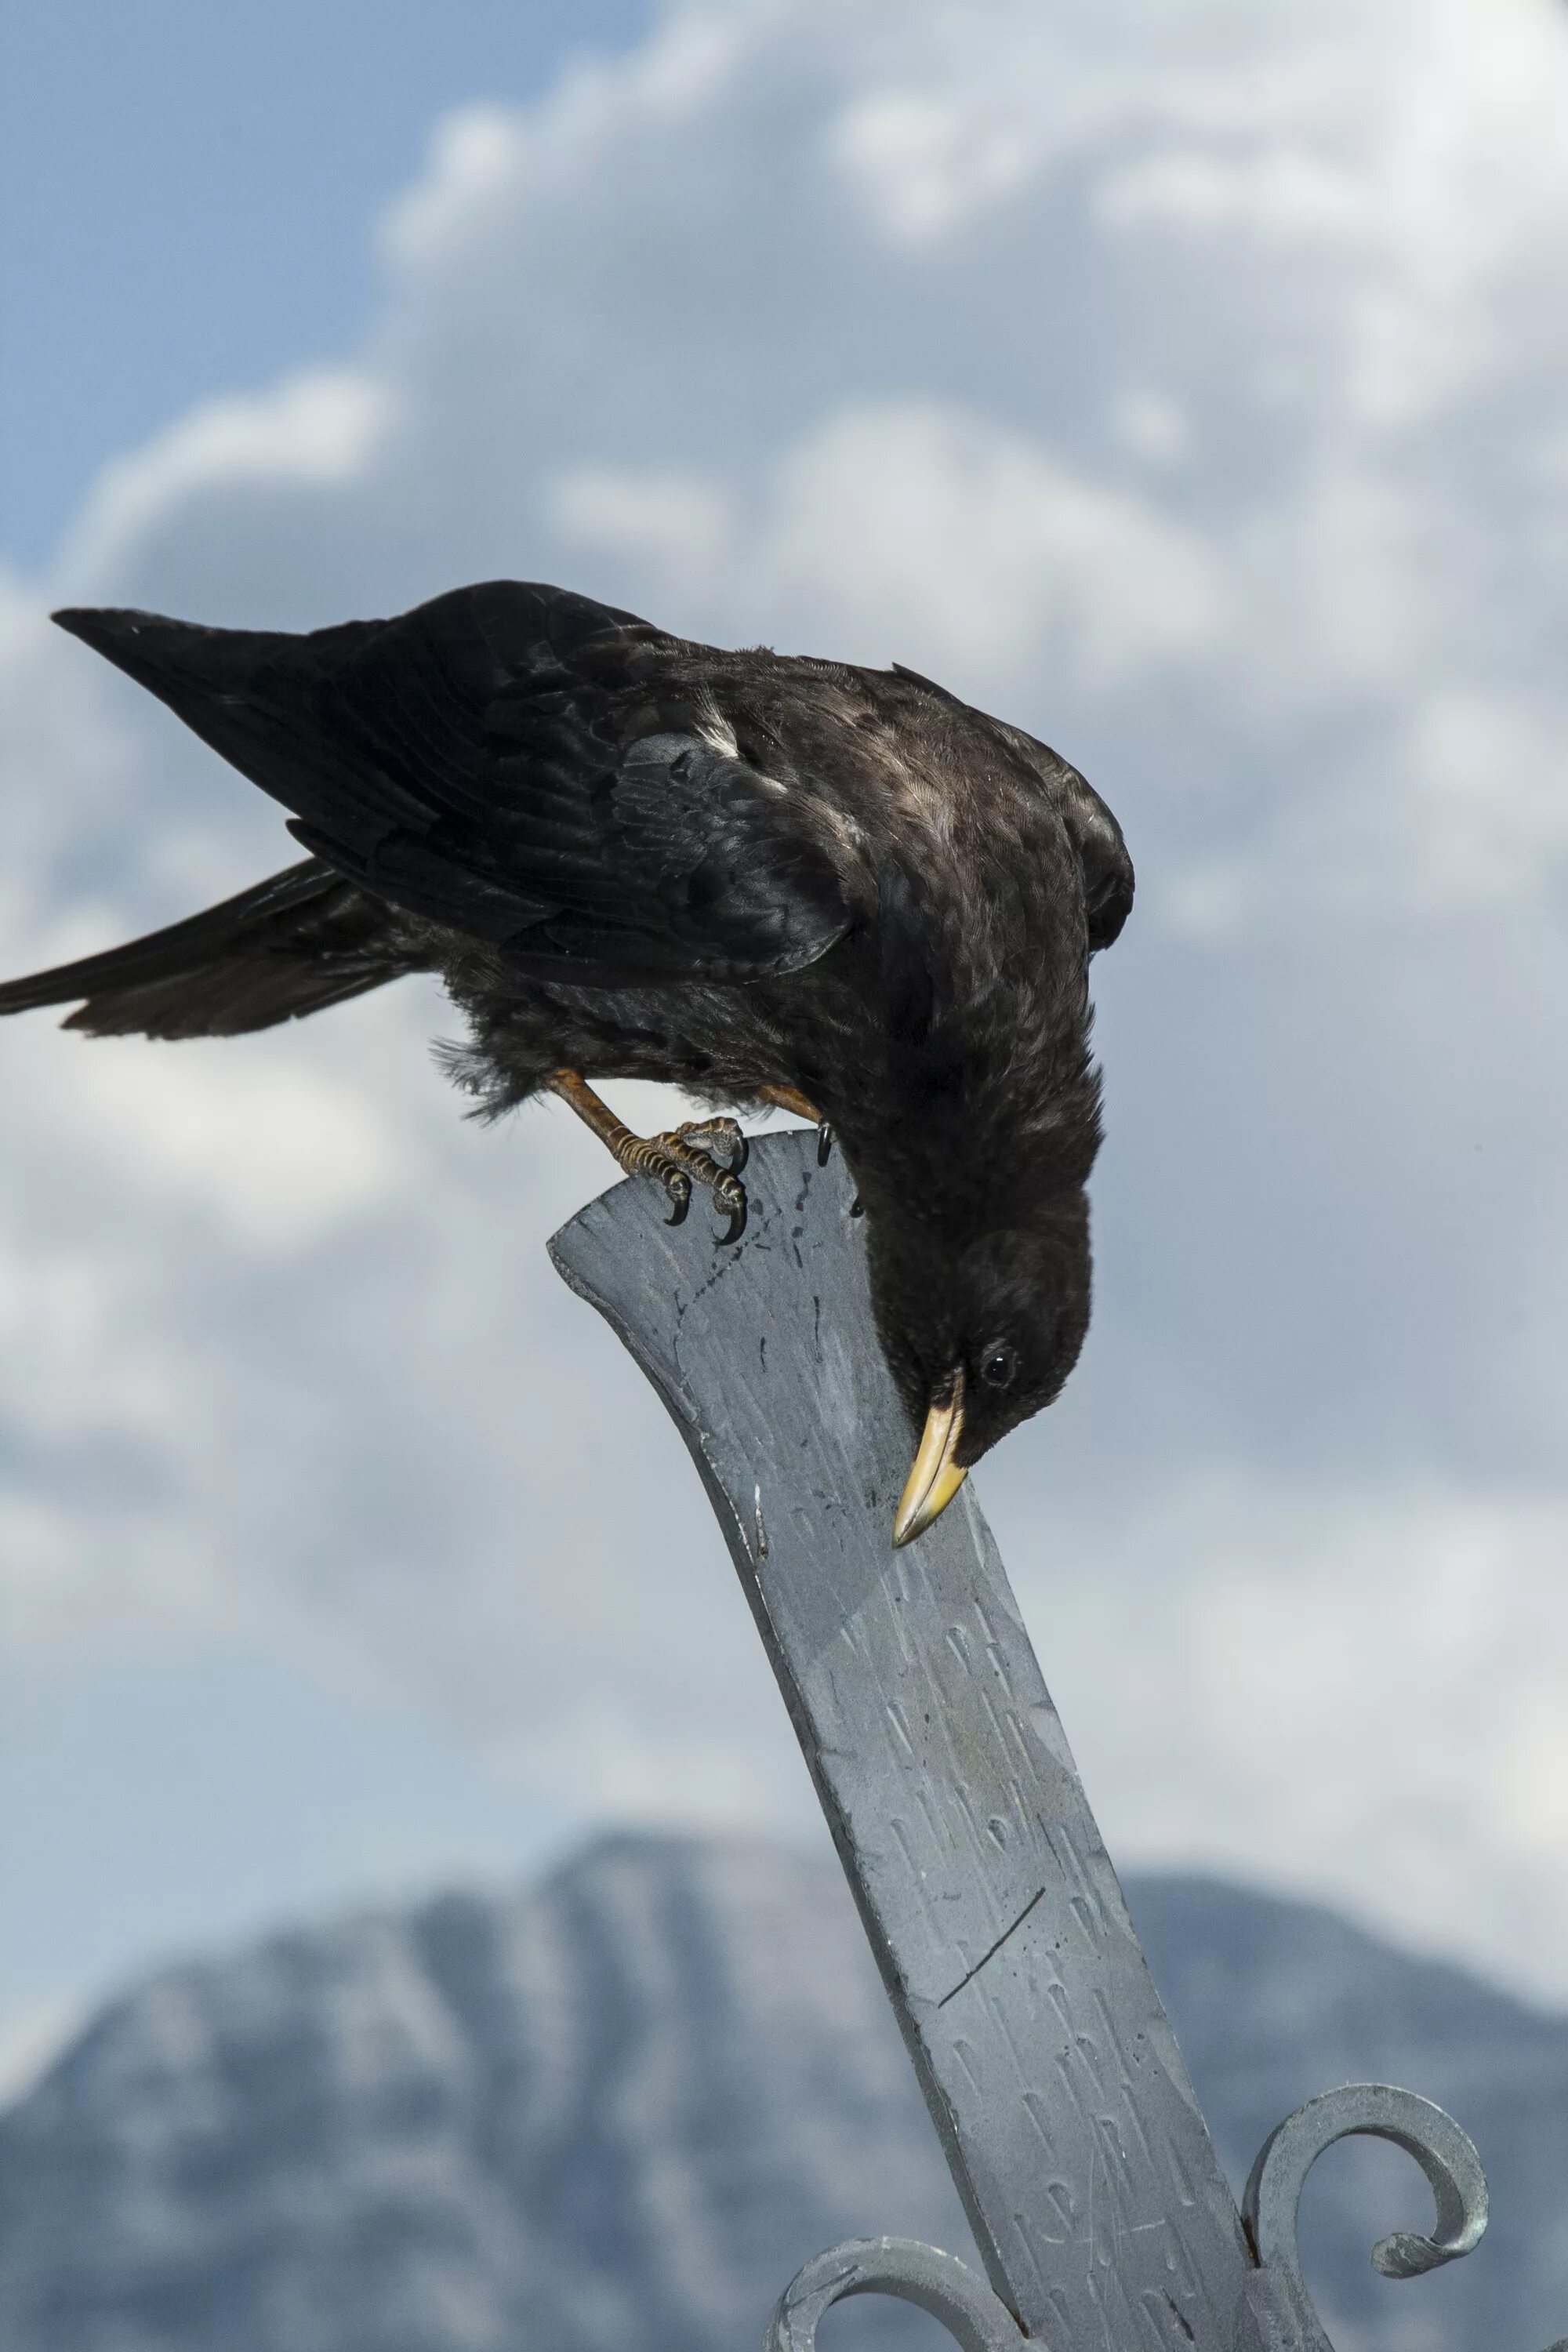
column 985, row 1121
column 973, row 1087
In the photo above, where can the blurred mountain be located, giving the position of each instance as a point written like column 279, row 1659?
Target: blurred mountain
column 618, row 2110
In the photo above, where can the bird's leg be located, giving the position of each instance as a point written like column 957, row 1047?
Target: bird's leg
column 676, row 1160
column 791, row 1099
column 632, row 1153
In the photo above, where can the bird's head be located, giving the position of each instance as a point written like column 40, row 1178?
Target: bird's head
column 978, row 1336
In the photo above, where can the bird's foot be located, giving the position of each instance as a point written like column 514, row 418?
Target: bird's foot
column 644, row 1155
column 692, row 1150
column 678, row 1160
column 704, row 1134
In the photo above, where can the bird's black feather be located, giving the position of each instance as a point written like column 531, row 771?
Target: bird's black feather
column 631, row 855
column 1094, row 832
column 520, row 764
column 293, row 944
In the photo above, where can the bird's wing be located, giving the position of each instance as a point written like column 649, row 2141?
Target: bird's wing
column 1107, row 869
column 528, row 767
column 293, row 944
column 1095, row 834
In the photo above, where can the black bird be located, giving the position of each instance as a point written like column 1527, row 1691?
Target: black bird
column 763, row 878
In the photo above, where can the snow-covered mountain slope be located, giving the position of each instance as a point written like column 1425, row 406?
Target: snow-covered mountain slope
column 619, row 2109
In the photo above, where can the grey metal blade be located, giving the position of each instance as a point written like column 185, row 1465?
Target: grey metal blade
column 1097, row 2201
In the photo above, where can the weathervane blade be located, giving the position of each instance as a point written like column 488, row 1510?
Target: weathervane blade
column 1049, row 2067
column 1093, row 2189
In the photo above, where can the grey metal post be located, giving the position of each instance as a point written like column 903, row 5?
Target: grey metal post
column 1049, row 2067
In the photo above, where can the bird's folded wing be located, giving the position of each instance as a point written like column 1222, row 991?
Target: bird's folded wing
column 532, row 769
column 1095, row 834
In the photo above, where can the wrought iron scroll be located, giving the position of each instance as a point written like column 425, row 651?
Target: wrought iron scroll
column 974, row 2318
column 1446, row 2154
column 1373, row 2110
column 1097, row 2201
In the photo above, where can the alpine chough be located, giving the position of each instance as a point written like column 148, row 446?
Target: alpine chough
column 763, row 878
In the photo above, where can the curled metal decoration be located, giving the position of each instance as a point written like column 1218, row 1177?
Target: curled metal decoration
column 1446, row 2154
column 976, row 2319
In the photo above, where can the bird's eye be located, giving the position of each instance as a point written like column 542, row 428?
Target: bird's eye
column 999, row 1365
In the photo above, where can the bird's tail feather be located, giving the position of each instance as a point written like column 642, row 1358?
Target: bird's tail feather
column 293, row 944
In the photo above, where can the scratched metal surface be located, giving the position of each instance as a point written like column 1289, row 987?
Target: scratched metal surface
column 1051, row 2071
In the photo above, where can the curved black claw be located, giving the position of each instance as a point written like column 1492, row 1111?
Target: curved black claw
column 824, row 1141
column 737, row 1224
column 679, row 1187
column 689, row 1150
column 742, row 1151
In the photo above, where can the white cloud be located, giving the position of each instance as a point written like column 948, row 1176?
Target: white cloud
column 270, row 1151
column 1488, row 781
column 1188, row 389
column 318, row 428
column 472, row 163
column 1155, row 428
column 936, row 528
column 672, row 522
column 1382, row 1670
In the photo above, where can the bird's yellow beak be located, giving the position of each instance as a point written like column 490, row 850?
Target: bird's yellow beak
column 934, row 1477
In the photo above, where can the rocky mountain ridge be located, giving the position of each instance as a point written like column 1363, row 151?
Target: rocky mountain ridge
column 620, row 2108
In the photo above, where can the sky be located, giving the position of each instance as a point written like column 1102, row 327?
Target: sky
column 187, row 199
column 1194, row 399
